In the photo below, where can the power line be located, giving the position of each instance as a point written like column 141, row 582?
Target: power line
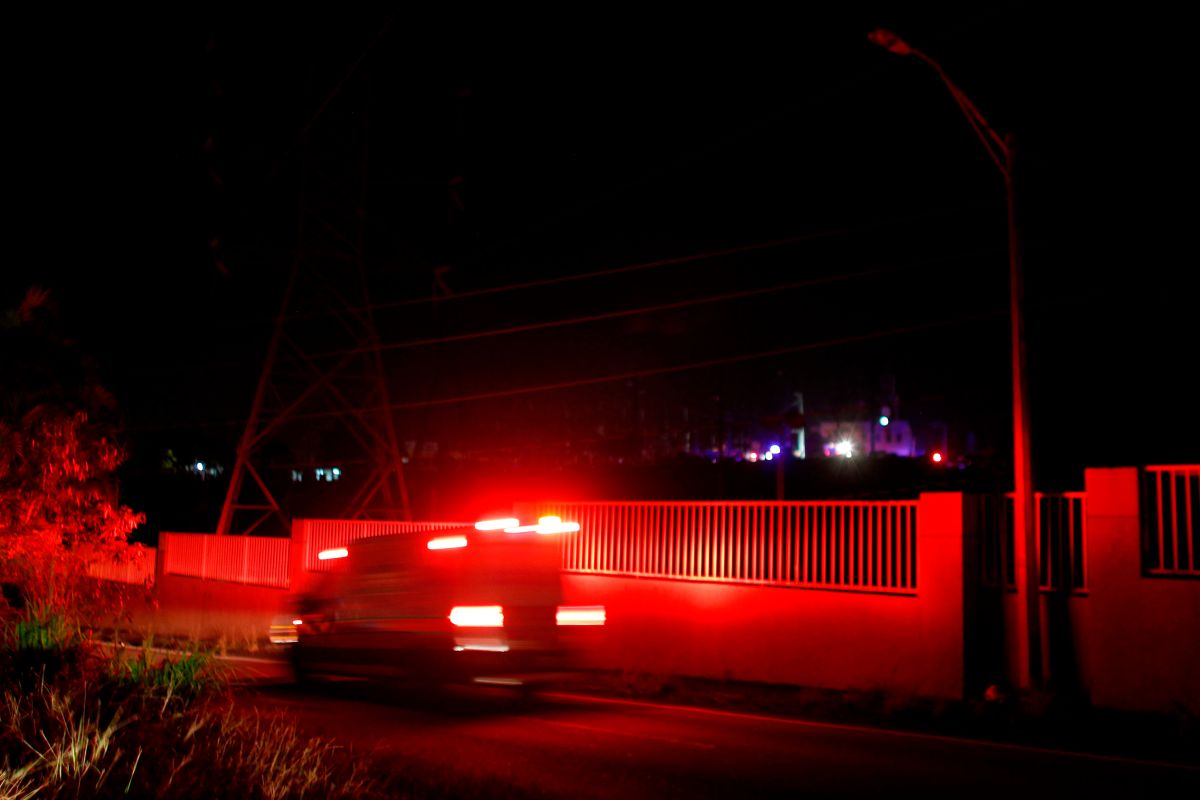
column 618, row 376
column 603, row 273
column 335, row 91
column 628, row 312
column 622, row 376
column 715, row 362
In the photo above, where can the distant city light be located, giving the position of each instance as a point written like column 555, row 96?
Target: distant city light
column 775, row 449
column 883, row 420
column 752, row 456
column 337, row 472
column 768, row 456
column 199, row 466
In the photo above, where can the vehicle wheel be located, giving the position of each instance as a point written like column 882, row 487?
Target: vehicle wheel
column 525, row 697
column 300, row 671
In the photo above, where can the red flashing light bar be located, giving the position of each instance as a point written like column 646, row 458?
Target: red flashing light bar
column 496, row 524
column 544, row 525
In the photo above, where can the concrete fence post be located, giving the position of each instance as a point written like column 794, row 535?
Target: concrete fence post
column 941, row 526
column 1143, row 630
column 160, row 551
column 297, row 549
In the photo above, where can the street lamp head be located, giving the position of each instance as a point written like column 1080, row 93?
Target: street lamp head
column 890, row 41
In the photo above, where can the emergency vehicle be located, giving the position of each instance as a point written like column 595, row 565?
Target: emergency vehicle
column 476, row 604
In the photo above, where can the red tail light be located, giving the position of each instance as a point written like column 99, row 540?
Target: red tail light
column 447, row 543
column 477, row 616
column 580, row 615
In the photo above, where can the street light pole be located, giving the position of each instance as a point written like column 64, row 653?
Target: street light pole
column 1001, row 151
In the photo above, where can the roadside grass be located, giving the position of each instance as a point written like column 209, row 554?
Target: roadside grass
column 247, row 643
column 78, row 720
column 58, row 743
column 187, row 674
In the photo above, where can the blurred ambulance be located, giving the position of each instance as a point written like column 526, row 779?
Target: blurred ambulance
column 479, row 604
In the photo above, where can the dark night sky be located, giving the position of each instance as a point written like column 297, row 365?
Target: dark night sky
column 593, row 140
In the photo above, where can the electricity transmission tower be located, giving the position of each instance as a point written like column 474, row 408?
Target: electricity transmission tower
column 322, row 400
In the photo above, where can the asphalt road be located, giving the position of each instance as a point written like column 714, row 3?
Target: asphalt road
column 564, row 745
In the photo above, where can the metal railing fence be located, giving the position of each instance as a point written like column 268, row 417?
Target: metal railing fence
column 1061, row 520
column 854, row 545
column 256, row 560
column 1170, row 507
column 138, row 570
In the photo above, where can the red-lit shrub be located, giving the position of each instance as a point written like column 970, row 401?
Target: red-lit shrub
column 59, row 510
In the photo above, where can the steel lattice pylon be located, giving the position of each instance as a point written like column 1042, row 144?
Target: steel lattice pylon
column 299, row 388
column 323, row 376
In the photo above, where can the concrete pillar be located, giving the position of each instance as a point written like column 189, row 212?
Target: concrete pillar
column 1144, row 632
column 940, row 588
column 297, row 547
